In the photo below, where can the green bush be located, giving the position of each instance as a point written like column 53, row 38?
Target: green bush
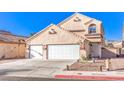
column 84, row 59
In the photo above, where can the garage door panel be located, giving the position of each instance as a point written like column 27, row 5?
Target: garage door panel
column 63, row 52
column 36, row 51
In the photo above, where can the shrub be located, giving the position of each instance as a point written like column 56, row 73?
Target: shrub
column 84, row 59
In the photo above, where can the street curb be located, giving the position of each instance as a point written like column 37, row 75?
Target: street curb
column 78, row 77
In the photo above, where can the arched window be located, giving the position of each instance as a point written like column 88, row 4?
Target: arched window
column 92, row 29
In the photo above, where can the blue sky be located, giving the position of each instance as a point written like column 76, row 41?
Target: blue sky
column 24, row 23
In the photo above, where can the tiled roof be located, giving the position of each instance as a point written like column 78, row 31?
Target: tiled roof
column 5, row 32
column 6, row 36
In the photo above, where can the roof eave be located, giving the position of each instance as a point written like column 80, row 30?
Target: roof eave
column 39, row 32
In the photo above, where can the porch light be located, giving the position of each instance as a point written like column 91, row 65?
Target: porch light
column 82, row 46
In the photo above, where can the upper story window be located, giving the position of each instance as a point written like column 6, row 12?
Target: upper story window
column 92, row 29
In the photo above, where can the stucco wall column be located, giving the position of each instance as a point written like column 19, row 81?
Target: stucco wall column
column 82, row 50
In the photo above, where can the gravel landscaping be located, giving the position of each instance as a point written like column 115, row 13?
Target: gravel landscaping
column 86, row 66
column 116, row 64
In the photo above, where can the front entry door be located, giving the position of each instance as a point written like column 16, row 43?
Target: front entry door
column 95, row 50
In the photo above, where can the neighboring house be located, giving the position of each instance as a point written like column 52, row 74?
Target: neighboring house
column 75, row 37
column 11, row 46
column 113, row 49
column 110, row 52
column 114, row 43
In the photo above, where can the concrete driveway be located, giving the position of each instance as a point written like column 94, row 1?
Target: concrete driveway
column 33, row 67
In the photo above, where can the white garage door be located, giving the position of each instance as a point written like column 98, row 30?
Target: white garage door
column 63, row 51
column 36, row 51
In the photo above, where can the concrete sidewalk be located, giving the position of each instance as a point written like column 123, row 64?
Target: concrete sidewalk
column 85, row 75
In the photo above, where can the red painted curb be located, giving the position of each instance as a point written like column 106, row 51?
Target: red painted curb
column 88, row 77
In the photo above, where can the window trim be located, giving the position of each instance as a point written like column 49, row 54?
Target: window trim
column 92, row 29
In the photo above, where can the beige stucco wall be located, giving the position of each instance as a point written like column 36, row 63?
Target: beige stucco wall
column 122, row 51
column 117, row 64
column 22, row 49
column 80, row 33
column 117, row 45
column 81, row 27
column 87, row 48
column 70, row 24
column 61, row 37
column 8, row 50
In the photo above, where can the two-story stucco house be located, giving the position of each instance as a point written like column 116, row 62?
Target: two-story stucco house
column 76, row 36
